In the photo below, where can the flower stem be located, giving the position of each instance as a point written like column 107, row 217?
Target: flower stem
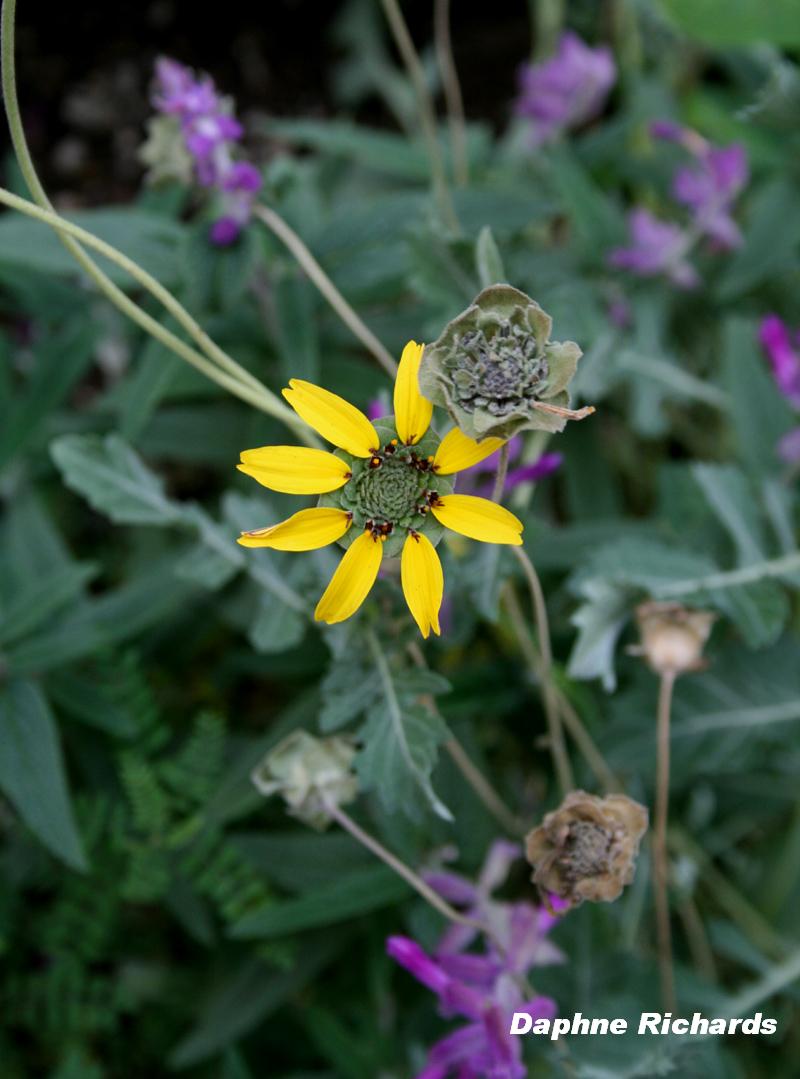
column 249, row 390
column 502, row 472
column 286, row 234
column 541, row 671
column 427, row 116
column 233, row 376
column 587, row 745
column 452, row 90
column 660, row 856
column 399, row 866
column 473, row 776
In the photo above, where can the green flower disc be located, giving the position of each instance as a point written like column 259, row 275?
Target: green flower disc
column 393, row 496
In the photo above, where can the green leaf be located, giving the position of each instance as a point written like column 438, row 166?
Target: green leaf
column 770, row 240
column 59, row 362
column 732, row 500
column 149, row 239
column 359, row 892
column 32, row 772
column 113, row 479
column 37, row 601
column 488, row 260
column 600, row 620
column 737, row 22
column 295, row 306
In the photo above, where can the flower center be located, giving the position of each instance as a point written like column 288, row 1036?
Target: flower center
column 389, row 490
column 587, row 850
column 498, row 372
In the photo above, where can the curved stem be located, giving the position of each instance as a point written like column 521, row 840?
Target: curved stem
column 587, row 745
column 502, row 473
column 556, row 731
column 427, row 115
column 251, row 391
column 317, row 275
column 452, row 90
column 399, row 866
column 660, row 863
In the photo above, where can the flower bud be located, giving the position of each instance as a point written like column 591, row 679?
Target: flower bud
column 310, row 773
column 587, row 848
column 495, row 370
column 672, row 637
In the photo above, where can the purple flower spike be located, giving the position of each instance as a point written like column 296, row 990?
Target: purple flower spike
column 484, row 987
column 209, row 134
column 543, row 466
column 784, row 357
column 657, row 247
column 566, row 90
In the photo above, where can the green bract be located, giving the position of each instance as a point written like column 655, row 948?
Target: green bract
column 493, row 363
column 393, row 494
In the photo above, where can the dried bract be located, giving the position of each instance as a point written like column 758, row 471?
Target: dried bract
column 496, row 371
column 587, row 848
column 310, row 773
column 672, row 637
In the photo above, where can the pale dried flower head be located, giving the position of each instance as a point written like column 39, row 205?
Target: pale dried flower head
column 672, row 637
column 587, row 848
column 311, row 774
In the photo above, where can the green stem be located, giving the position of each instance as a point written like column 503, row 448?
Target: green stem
column 251, row 391
column 759, row 571
column 660, row 856
column 238, row 380
column 317, row 275
column 452, row 90
column 427, row 115
column 541, row 671
column 501, row 474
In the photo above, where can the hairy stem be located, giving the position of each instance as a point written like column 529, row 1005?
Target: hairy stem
column 660, row 855
column 452, row 90
column 276, row 224
column 399, row 866
column 541, row 672
column 556, row 732
column 501, row 474
column 427, row 115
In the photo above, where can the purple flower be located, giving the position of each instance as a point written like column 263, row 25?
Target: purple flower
column 478, row 479
column 485, row 987
column 483, row 1047
column 784, row 356
column 209, row 134
column 657, row 247
column 565, row 90
column 709, row 188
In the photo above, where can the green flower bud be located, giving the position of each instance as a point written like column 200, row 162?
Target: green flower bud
column 495, row 370
column 164, row 154
column 310, row 773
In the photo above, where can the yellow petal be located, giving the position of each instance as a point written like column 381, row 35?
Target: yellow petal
column 332, row 417
column 458, row 452
column 303, row 531
column 351, row 582
column 423, row 582
column 479, row 519
column 412, row 411
column 295, row 470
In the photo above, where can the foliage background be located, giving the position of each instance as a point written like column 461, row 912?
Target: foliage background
column 157, row 915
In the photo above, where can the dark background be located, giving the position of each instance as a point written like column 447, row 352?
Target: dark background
column 84, row 71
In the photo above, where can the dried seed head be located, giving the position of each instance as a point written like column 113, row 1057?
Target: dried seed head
column 496, row 370
column 672, row 637
column 309, row 773
column 587, row 848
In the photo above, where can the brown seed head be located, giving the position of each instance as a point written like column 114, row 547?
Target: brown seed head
column 672, row 637
column 587, row 848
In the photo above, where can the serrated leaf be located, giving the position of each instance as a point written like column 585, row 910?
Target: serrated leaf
column 348, row 690
column 732, row 500
column 600, row 620
column 32, row 772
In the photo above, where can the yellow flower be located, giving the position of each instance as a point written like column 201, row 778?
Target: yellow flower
column 385, row 490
